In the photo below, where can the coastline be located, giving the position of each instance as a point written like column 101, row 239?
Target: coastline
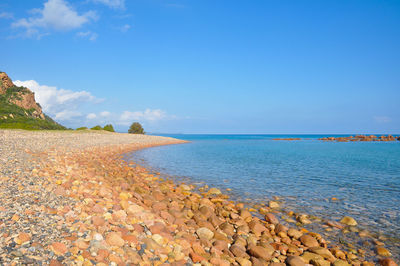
column 112, row 211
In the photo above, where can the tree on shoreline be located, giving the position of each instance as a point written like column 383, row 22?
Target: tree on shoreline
column 136, row 128
column 109, row 127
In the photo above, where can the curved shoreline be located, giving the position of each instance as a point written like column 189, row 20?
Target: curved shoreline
column 354, row 239
column 112, row 211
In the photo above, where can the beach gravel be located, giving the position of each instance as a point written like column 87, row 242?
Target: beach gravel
column 70, row 198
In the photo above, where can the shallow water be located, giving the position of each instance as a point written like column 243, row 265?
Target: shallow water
column 363, row 176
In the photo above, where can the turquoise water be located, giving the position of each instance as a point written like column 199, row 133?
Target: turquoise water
column 306, row 174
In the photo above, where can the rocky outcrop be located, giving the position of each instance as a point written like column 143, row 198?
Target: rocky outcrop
column 361, row 138
column 5, row 83
column 22, row 97
column 27, row 101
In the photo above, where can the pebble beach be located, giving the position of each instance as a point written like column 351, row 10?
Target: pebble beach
column 69, row 198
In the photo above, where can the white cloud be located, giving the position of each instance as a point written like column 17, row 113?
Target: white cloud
column 117, row 4
column 66, row 115
column 91, row 116
column 92, row 36
column 125, row 28
column 148, row 115
column 73, row 107
column 382, row 119
column 6, row 15
column 61, row 104
column 105, row 114
column 56, row 15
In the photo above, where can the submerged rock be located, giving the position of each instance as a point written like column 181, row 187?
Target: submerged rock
column 381, row 251
column 348, row 221
column 214, row 191
column 387, row 262
column 273, row 204
column 303, row 218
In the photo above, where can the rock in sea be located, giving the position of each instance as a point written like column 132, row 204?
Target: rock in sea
column 349, row 221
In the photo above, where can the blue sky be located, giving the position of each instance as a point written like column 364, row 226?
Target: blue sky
column 191, row 66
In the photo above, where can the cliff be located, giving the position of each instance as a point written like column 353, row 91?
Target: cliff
column 18, row 108
column 20, row 96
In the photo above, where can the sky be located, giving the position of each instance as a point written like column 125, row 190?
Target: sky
column 207, row 66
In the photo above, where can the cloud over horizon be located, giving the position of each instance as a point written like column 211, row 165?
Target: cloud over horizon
column 61, row 104
column 148, row 115
column 65, row 106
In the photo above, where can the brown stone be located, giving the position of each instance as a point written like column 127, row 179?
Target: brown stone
column 159, row 206
column 98, row 221
column 341, row 263
column 97, row 209
column 244, row 214
column 260, row 252
column 308, row 256
column 82, row 244
column 381, row 251
column 114, row 239
column 295, row 261
column 258, row 262
column 387, row 262
column 130, row 238
column 324, row 252
column 309, row 241
column 280, row 228
column 206, row 211
column 102, row 254
column 119, row 216
column 59, row 248
column 348, row 221
column 55, row 263
column 294, row 233
column 204, row 233
column 271, row 218
column 244, row 262
column 195, row 257
column 238, row 251
column 256, row 227
column 277, row 264
column 320, row 262
column 22, row 238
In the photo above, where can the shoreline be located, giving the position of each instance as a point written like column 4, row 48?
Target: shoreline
column 112, row 211
column 357, row 239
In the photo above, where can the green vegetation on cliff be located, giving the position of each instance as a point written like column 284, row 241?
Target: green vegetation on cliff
column 14, row 116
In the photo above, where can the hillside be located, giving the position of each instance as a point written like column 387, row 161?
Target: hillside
column 18, row 108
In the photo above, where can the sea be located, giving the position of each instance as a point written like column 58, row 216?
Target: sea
column 326, row 180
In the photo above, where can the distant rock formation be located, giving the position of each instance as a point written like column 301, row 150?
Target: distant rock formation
column 20, row 96
column 361, row 138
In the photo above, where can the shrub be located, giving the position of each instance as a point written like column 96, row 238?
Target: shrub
column 81, row 128
column 97, row 128
column 136, row 128
column 109, row 128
